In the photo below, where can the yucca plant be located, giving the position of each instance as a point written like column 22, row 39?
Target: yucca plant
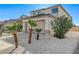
column 32, row 24
column 61, row 25
column 38, row 30
column 13, row 29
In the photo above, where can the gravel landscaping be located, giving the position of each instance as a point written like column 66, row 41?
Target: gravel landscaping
column 46, row 45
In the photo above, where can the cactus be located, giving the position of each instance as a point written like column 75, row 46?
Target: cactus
column 61, row 25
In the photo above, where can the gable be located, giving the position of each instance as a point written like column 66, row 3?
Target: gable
column 62, row 11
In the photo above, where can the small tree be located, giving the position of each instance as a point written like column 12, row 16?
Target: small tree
column 32, row 24
column 61, row 25
column 13, row 29
column 38, row 30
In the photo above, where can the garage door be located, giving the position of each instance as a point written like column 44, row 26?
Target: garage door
column 41, row 24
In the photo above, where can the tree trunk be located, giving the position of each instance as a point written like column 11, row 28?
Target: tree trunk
column 37, row 36
column 30, row 35
column 15, row 39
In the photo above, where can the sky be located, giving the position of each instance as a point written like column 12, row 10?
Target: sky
column 14, row 11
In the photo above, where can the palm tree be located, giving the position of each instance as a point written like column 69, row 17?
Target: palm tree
column 61, row 25
column 38, row 30
column 32, row 24
column 13, row 29
column 19, row 26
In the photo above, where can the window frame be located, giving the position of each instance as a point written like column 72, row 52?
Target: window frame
column 54, row 10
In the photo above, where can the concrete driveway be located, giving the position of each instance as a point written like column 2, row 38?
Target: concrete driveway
column 47, row 44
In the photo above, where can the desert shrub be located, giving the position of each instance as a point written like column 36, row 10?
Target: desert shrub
column 61, row 25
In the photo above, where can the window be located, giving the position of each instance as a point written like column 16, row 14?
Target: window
column 54, row 10
column 35, row 13
column 39, row 12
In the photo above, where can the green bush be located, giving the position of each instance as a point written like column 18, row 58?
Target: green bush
column 61, row 25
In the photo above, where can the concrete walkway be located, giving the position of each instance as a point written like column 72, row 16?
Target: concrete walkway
column 5, row 47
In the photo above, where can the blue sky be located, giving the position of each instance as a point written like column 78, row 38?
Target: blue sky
column 14, row 11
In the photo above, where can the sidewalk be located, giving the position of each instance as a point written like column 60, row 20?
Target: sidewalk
column 5, row 47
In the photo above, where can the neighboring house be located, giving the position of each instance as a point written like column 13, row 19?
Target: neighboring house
column 44, row 17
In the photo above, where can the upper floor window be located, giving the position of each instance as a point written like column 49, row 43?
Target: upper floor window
column 54, row 10
column 36, row 13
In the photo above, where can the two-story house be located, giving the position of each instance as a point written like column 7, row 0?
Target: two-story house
column 44, row 17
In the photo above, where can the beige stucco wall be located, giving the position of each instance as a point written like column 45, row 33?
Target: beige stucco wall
column 48, row 26
column 45, row 24
column 47, row 11
column 26, row 26
column 62, row 12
